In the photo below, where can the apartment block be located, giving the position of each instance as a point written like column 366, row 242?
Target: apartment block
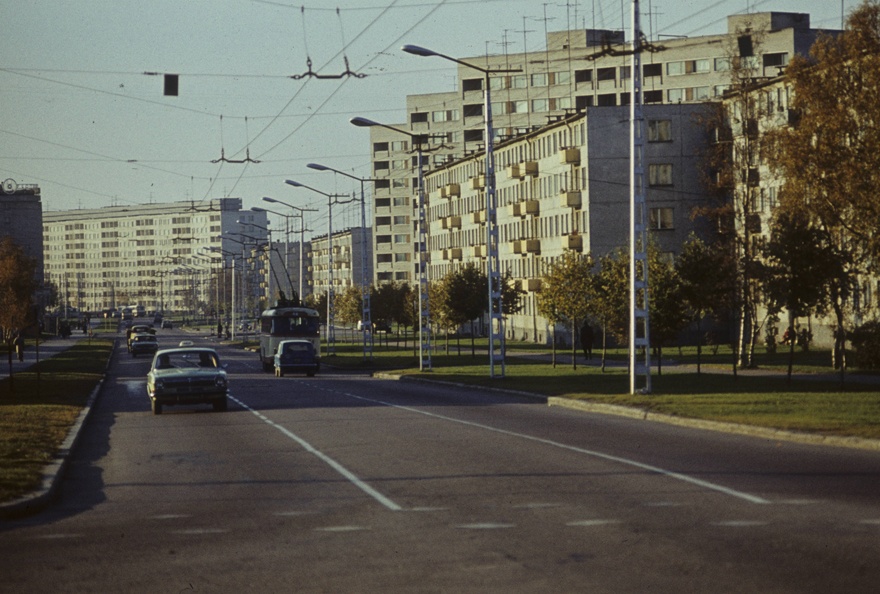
column 578, row 70
column 170, row 256
column 566, row 187
column 21, row 218
column 344, row 261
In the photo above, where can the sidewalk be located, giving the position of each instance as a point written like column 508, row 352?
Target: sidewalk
column 49, row 347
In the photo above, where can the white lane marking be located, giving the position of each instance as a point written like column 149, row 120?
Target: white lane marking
column 740, row 523
column 327, row 459
column 663, row 504
column 170, row 516
column 485, row 526
column 57, row 536
column 341, row 529
column 200, row 531
column 592, row 523
column 871, row 522
column 647, row 467
column 292, row 513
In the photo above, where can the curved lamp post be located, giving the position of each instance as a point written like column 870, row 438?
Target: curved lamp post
column 366, row 320
column 331, row 200
column 493, row 273
column 424, row 306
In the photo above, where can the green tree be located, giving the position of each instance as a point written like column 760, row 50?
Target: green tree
column 568, row 293
column 668, row 313
column 612, row 298
column 802, row 269
column 348, row 305
column 17, row 286
column 830, row 158
column 466, row 297
column 706, row 275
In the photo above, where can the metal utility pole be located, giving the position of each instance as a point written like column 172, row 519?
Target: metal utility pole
column 639, row 336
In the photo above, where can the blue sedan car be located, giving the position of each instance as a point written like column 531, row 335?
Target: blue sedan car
column 296, row 356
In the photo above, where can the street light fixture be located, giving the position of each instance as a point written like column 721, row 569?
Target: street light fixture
column 366, row 320
column 496, row 313
column 424, row 305
column 331, row 200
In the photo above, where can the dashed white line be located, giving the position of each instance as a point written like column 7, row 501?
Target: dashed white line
column 327, row 459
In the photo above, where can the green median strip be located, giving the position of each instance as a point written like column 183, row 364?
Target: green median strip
column 36, row 413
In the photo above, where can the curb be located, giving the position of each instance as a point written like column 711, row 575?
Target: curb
column 38, row 500
column 719, row 426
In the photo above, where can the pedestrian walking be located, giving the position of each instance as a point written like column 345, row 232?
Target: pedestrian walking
column 587, row 340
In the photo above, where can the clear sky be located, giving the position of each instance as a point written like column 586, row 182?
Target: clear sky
column 79, row 116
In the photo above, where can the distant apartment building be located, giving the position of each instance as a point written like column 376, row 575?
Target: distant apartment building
column 578, row 70
column 345, row 261
column 566, row 187
column 174, row 256
column 21, row 218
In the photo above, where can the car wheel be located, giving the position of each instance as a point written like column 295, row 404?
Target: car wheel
column 157, row 407
column 221, row 405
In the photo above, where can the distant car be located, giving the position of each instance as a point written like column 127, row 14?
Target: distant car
column 187, row 376
column 296, row 356
column 142, row 344
column 166, row 324
column 379, row 326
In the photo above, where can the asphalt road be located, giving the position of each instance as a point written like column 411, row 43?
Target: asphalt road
column 345, row 483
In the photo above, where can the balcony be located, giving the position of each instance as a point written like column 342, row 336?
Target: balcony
column 478, row 182
column 453, row 190
column 573, row 242
column 479, row 251
column 529, row 168
column 570, row 156
column 571, row 199
column 513, row 172
column 478, row 216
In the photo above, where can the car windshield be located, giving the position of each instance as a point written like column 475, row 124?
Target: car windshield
column 187, row 360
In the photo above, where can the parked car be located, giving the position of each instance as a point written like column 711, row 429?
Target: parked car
column 187, row 376
column 296, row 356
column 167, row 325
column 379, row 326
column 143, row 344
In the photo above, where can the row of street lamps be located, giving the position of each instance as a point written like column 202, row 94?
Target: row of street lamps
column 496, row 323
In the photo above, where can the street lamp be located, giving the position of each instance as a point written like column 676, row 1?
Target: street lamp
column 496, row 314
column 424, row 306
column 331, row 200
column 302, row 231
column 366, row 321
column 221, row 252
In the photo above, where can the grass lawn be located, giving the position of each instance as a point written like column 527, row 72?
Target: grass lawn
column 36, row 414
column 813, row 405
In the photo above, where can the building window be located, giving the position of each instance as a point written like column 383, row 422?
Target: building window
column 652, row 70
column 722, row 64
column 472, row 84
column 660, row 174
column 540, row 80
column 417, row 118
column 472, row 110
column 779, row 60
column 605, row 74
column 473, row 135
column 653, row 96
column 380, row 147
column 518, row 82
column 497, row 83
column 540, row 105
column 661, row 218
column 581, row 76
column 607, row 100
column 399, row 145
column 659, row 130
column 583, row 101
column 561, row 78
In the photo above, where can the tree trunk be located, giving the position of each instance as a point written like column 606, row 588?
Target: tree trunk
column 574, row 364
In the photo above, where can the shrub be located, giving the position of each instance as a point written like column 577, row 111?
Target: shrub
column 866, row 343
